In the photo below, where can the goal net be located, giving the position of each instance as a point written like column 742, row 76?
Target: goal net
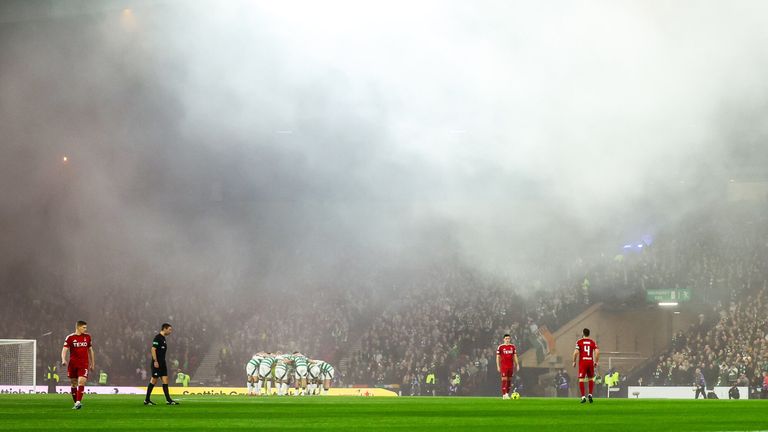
column 18, row 359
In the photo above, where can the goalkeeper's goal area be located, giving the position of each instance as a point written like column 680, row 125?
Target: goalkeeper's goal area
column 18, row 360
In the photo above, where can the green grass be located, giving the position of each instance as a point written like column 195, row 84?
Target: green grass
column 106, row 412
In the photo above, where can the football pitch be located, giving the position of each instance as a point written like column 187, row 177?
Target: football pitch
column 109, row 412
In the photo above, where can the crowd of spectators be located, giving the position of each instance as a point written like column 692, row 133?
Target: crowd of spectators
column 444, row 320
column 123, row 331
column 122, row 323
column 447, row 328
column 733, row 351
column 728, row 265
column 721, row 256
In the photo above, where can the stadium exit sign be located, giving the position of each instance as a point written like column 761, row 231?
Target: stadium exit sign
column 668, row 295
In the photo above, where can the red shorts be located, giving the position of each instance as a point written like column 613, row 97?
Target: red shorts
column 507, row 372
column 76, row 371
column 586, row 370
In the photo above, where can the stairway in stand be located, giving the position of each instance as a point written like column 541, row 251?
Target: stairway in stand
column 205, row 374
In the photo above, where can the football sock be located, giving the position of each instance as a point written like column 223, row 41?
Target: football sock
column 150, row 386
column 80, row 391
column 249, row 386
column 257, row 387
column 285, row 389
column 165, row 390
column 504, row 387
column 581, row 388
column 591, row 386
column 74, row 393
column 269, row 387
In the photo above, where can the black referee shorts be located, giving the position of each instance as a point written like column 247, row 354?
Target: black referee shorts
column 159, row 371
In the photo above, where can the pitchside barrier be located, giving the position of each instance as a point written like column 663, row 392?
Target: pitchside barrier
column 687, row 392
column 182, row 391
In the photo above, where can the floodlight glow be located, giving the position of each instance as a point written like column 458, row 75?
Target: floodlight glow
column 667, row 303
column 128, row 20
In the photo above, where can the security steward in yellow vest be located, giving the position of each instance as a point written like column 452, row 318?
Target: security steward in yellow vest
column 53, row 379
column 430, row 383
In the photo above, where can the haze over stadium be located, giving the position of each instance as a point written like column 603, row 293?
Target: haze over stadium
column 218, row 157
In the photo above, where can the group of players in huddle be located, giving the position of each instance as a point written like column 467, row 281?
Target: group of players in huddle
column 266, row 370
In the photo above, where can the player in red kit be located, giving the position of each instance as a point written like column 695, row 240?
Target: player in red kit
column 81, row 359
column 506, row 364
column 587, row 354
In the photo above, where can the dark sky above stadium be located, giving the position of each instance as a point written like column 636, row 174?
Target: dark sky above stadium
column 262, row 144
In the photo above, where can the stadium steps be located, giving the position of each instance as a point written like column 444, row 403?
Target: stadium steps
column 344, row 362
column 354, row 348
column 206, row 372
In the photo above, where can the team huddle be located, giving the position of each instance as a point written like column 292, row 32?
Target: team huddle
column 266, row 370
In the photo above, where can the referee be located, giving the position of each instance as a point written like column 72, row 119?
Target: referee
column 159, row 368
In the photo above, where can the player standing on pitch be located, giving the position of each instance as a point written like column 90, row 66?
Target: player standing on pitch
column 506, row 363
column 587, row 354
column 81, row 359
column 159, row 368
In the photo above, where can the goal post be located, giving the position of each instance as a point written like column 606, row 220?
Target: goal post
column 18, row 362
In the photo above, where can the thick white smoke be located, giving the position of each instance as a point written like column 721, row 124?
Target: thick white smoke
column 247, row 140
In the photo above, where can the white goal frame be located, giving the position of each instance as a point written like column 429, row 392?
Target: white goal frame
column 34, row 356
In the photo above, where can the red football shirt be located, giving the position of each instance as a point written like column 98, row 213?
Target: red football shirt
column 78, row 349
column 506, row 355
column 586, row 347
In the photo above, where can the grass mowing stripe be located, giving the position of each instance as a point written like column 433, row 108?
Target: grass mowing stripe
column 123, row 412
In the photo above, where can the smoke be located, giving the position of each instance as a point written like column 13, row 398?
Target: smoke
column 272, row 144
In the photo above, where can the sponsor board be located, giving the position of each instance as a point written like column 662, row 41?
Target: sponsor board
column 687, row 392
column 66, row 389
column 181, row 391
column 235, row 391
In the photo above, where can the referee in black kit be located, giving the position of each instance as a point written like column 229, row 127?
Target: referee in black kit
column 159, row 368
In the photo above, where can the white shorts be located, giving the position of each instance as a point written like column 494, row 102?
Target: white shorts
column 301, row 372
column 314, row 371
column 265, row 371
column 251, row 370
column 329, row 375
column 281, row 372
